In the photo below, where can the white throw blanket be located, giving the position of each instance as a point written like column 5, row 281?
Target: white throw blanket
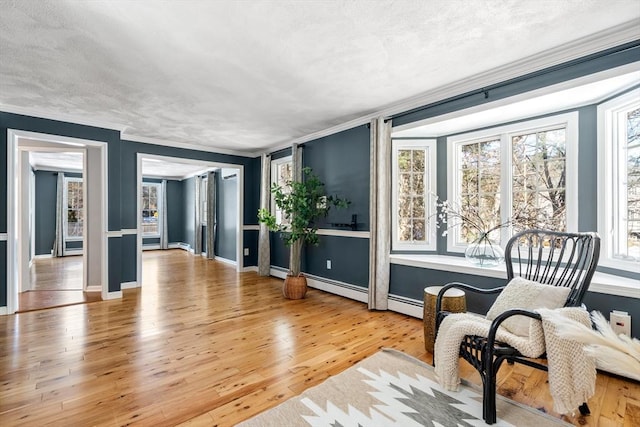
column 572, row 374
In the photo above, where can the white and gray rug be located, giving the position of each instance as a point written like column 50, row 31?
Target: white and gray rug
column 391, row 388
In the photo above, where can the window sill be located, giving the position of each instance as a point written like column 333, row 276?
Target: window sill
column 601, row 282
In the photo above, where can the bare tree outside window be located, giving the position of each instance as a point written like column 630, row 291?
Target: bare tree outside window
column 539, row 179
column 283, row 175
column 480, row 187
column 412, row 211
column 633, row 183
column 75, row 204
column 150, row 208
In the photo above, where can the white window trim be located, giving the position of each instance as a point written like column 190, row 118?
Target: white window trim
column 570, row 120
column 601, row 283
column 431, row 163
column 160, row 213
column 607, row 178
column 274, row 169
column 65, row 219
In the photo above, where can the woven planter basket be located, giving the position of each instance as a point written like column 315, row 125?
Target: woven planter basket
column 295, row 287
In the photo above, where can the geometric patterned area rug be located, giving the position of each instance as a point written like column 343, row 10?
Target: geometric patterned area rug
column 391, row 388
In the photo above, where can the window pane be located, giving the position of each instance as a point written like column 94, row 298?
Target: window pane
column 418, row 207
column 150, row 213
column 633, row 200
column 404, row 230
column 404, row 160
column 74, row 207
column 479, row 187
column 418, row 230
column 282, row 176
column 418, row 160
column 539, row 179
column 411, row 190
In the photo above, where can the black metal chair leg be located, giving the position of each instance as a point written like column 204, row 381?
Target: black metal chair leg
column 489, row 386
column 489, row 401
column 584, row 409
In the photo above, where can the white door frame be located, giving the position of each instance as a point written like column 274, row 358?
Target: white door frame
column 13, row 149
column 205, row 165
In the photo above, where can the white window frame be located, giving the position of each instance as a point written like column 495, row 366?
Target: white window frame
column 504, row 133
column 430, row 187
column 274, row 169
column 67, row 238
column 609, row 180
column 160, row 213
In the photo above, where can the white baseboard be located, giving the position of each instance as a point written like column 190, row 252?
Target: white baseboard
column 250, row 268
column 114, row 295
column 94, row 288
column 346, row 290
column 150, row 247
column 409, row 306
column 3, row 311
column 42, row 256
column 179, row 245
column 226, row 261
column 72, row 252
column 129, row 285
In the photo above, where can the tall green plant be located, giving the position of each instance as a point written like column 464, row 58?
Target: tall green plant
column 301, row 203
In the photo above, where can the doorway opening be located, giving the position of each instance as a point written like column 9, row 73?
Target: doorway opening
column 172, row 208
column 56, row 256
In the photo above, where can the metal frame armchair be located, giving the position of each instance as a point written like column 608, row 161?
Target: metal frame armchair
column 548, row 257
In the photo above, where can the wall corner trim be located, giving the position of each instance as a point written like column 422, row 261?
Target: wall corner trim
column 114, row 295
column 129, row 285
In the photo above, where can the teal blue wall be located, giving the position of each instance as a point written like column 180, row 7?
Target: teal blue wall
column 54, row 127
column 342, row 160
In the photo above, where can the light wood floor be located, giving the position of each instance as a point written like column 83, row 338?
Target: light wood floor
column 200, row 344
column 55, row 282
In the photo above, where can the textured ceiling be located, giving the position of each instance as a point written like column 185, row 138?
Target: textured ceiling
column 250, row 75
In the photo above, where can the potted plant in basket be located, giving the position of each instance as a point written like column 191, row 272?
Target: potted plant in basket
column 301, row 203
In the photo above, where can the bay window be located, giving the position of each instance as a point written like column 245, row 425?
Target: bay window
column 413, row 217
column 523, row 175
column 619, row 179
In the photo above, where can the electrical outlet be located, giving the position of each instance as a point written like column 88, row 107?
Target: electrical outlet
column 620, row 322
column 246, row 251
column 328, row 264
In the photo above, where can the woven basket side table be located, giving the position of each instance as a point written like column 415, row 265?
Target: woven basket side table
column 454, row 301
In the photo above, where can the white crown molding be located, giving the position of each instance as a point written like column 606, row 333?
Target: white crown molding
column 158, row 141
column 594, row 43
column 62, row 117
column 71, row 118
